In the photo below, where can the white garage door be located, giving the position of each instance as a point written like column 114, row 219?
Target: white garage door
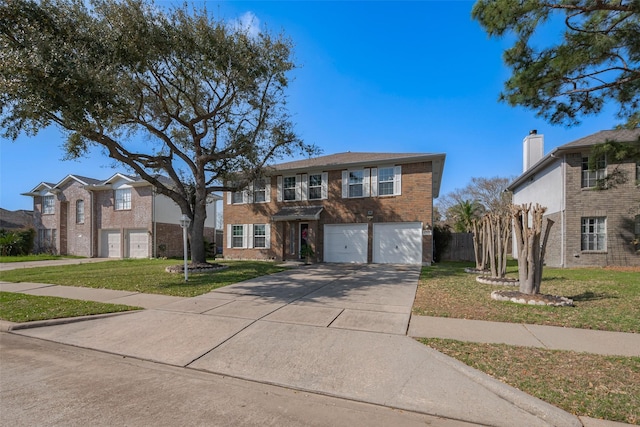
column 138, row 246
column 110, row 244
column 397, row 243
column 345, row 243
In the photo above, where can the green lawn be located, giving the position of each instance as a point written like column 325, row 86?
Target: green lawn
column 40, row 257
column 604, row 299
column 16, row 307
column 142, row 275
column 584, row 384
column 606, row 387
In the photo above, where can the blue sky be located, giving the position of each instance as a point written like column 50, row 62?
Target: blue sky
column 418, row 76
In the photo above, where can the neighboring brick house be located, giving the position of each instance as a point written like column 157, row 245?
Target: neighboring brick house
column 121, row 217
column 592, row 227
column 346, row 207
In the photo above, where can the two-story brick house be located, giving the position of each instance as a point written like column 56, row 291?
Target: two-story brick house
column 592, row 227
column 121, row 217
column 346, row 207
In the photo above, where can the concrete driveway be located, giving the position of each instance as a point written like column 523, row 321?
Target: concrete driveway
column 338, row 330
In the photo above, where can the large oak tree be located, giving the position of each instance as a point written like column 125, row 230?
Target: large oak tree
column 595, row 60
column 171, row 92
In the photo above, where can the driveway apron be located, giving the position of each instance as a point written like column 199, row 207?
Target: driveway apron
column 334, row 329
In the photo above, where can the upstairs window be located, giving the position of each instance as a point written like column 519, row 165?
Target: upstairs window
column 123, row 199
column 260, row 191
column 315, row 187
column 237, row 197
column 289, row 187
column 594, row 234
column 48, row 205
column 356, row 183
column 591, row 178
column 386, row 181
column 79, row 211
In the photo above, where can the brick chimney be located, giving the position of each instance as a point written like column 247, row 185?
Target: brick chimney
column 532, row 149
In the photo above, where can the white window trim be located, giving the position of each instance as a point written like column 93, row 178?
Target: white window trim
column 123, row 190
column 598, row 174
column 366, row 183
column 604, row 219
column 306, row 178
column 80, row 218
column 397, row 181
column 48, row 209
column 298, row 188
column 247, row 236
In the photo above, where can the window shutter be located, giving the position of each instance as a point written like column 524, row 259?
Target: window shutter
column 267, row 190
column 397, row 180
column 366, row 186
column 249, row 236
column 345, row 184
column 248, row 194
column 374, row 182
column 229, row 235
column 305, row 186
column 325, row 179
column 267, row 236
column 244, row 235
column 298, row 188
column 280, row 188
column 229, row 195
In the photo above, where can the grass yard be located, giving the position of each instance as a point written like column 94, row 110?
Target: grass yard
column 40, row 257
column 16, row 307
column 142, row 275
column 605, row 387
column 605, row 299
column 584, row 384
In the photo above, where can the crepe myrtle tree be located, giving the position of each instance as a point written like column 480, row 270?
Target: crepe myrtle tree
column 169, row 92
column 531, row 237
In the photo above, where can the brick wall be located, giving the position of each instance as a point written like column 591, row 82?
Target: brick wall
column 619, row 205
column 169, row 240
column 415, row 204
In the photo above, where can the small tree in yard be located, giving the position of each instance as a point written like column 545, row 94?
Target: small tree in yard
column 531, row 242
column 499, row 228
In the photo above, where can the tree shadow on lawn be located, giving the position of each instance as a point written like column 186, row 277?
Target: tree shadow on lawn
column 592, row 296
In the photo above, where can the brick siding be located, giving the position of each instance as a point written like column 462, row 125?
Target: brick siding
column 619, row 205
column 415, row 204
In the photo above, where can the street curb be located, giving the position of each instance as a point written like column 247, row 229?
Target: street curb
column 6, row 326
column 537, row 407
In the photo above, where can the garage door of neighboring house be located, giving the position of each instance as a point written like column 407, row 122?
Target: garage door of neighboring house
column 345, row 243
column 397, row 243
column 110, row 244
column 137, row 244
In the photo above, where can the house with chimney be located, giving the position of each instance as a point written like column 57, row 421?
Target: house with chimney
column 593, row 226
column 120, row 217
column 342, row 208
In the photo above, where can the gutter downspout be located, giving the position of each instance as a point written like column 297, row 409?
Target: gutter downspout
column 153, row 223
column 563, row 217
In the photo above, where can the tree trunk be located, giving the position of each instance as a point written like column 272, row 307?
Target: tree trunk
column 531, row 243
column 196, row 231
column 477, row 244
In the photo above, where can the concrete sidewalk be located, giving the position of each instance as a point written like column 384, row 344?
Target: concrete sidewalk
column 550, row 337
column 335, row 330
column 6, row 266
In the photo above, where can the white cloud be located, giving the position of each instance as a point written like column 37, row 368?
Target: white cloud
column 248, row 23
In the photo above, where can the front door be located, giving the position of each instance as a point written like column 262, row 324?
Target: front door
column 304, row 238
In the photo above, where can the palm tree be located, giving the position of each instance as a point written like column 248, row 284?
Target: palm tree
column 464, row 213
